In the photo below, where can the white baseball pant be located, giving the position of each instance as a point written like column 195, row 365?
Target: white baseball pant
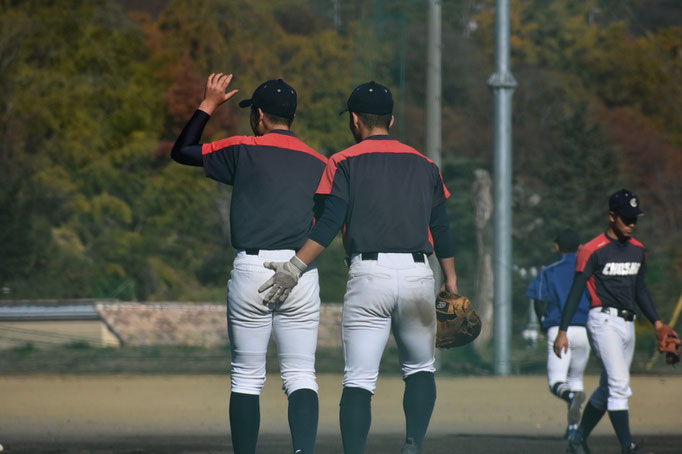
column 570, row 367
column 250, row 323
column 613, row 341
column 392, row 293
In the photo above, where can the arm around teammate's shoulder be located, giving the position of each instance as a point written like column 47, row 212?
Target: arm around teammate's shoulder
column 330, row 218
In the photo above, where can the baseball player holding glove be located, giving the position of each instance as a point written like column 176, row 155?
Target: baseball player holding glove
column 550, row 289
column 390, row 199
column 612, row 266
column 273, row 177
column 457, row 323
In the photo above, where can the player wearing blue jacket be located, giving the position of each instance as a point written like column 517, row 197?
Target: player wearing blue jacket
column 549, row 291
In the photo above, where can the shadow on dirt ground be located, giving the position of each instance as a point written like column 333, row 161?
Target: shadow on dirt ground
column 329, row 444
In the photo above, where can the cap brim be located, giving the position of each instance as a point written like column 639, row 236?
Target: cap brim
column 246, row 103
column 629, row 212
column 345, row 109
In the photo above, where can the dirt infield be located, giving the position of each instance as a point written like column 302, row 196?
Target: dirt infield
column 188, row 414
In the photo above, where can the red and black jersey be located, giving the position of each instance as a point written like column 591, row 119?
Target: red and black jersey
column 274, row 177
column 390, row 189
column 612, row 268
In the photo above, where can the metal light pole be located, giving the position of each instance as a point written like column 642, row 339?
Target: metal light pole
column 502, row 83
column 433, row 82
column 433, row 105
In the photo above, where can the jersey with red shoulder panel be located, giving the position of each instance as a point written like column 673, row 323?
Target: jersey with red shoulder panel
column 274, row 177
column 390, row 189
column 612, row 268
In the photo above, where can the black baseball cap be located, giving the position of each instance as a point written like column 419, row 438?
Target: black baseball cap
column 275, row 97
column 625, row 204
column 370, row 98
column 568, row 240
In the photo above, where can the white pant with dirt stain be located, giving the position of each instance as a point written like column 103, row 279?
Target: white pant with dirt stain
column 295, row 324
column 613, row 342
column 391, row 293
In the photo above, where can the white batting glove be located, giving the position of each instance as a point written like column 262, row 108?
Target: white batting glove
column 285, row 278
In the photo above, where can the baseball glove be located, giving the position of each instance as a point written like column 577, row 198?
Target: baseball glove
column 457, row 322
column 669, row 343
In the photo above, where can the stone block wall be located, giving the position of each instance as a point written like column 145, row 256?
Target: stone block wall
column 192, row 324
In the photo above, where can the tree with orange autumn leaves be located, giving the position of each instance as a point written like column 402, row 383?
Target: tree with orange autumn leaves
column 92, row 206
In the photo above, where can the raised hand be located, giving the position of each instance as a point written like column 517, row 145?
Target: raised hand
column 215, row 92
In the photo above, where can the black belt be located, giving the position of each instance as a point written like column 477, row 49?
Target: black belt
column 257, row 251
column 622, row 313
column 418, row 257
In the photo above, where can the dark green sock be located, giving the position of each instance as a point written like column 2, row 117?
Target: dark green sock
column 591, row 417
column 620, row 419
column 304, row 409
column 244, row 422
column 356, row 417
column 418, row 402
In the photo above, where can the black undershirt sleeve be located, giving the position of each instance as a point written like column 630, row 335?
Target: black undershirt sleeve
column 644, row 298
column 318, row 205
column 573, row 300
column 440, row 231
column 330, row 220
column 187, row 149
column 540, row 308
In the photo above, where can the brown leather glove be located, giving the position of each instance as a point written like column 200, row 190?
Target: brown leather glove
column 457, row 322
column 669, row 343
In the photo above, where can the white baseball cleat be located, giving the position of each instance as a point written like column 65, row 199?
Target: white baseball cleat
column 574, row 407
column 410, row 447
column 636, row 448
column 577, row 444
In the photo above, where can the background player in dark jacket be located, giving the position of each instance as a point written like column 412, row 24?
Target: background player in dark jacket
column 273, row 177
column 549, row 291
column 392, row 201
column 612, row 265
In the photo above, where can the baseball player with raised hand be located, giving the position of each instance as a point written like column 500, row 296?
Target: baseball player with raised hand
column 612, row 266
column 550, row 289
column 391, row 200
column 274, row 176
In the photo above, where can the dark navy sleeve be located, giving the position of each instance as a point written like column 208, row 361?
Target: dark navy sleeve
column 573, row 299
column 440, row 230
column 644, row 298
column 440, row 192
column 187, row 149
column 318, row 206
column 330, row 221
column 540, row 308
